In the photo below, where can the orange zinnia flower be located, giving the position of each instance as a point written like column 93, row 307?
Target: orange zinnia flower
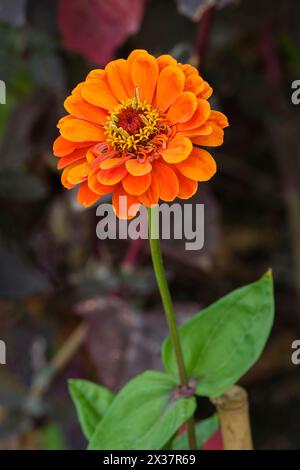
column 135, row 129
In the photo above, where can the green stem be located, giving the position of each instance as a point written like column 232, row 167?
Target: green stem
column 168, row 308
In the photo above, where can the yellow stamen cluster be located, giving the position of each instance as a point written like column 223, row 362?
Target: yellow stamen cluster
column 119, row 138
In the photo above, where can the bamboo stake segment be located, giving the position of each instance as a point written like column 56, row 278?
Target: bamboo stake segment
column 233, row 411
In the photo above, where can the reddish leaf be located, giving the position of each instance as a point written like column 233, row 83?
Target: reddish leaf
column 96, row 28
column 215, row 442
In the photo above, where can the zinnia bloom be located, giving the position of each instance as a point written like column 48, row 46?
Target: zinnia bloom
column 136, row 129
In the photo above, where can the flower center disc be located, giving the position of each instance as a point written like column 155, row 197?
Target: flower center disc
column 131, row 125
column 130, row 121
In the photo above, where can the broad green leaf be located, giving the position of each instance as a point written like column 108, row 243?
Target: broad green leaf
column 204, row 430
column 225, row 339
column 144, row 415
column 91, row 402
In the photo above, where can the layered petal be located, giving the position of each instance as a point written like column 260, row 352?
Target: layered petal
column 137, row 168
column 187, row 187
column 125, row 205
column 63, row 147
column 98, row 93
column 206, row 129
column 98, row 74
column 136, row 185
column 170, row 83
column 109, row 163
column 76, row 170
column 73, row 157
column 206, row 92
column 193, row 81
column 166, row 180
column 214, row 139
column 178, row 150
column 144, row 74
column 96, row 186
column 78, row 173
column 199, row 166
column 64, row 178
column 81, row 109
column 119, row 79
column 183, row 107
column 79, row 130
column 219, row 118
column 199, row 117
column 112, row 176
column 151, row 196
column 164, row 60
column 85, row 196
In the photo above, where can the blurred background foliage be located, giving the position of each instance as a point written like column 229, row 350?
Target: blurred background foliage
column 74, row 306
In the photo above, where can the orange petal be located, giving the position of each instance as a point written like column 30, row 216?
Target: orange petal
column 144, row 74
column 195, row 84
column 125, row 205
column 166, row 179
column 193, row 81
column 98, row 93
column 76, row 166
column 85, row 196
column 178, row 150
column 205, row 129
column 206, row 92
column 77, row 90
column 63, row 147
column 201, row 115
column 219, row 118
column 164, row 60
column 199, row 166
column 151, row 196
column 78, row 154
column 112, row 176
column 96, row 186
column 64, row 178
column 136, row 185
column 63, row 120
column 187, row 187
column 78, row 130
column 183, row 107
column 189, row 70
column 79, row 108
column 170, row 83
column 214, row 139
column 111, row 163
column 98, row 74
column 134, row 54
column 136, row 168
column 78, row 173
column 119, row 79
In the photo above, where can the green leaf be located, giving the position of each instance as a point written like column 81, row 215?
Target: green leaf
column 204, row 430
column 144, row 415
column 52, row 437
column 91, row 402
column 224, row 340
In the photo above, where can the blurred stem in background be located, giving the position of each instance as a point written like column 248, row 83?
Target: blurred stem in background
column 169, row 309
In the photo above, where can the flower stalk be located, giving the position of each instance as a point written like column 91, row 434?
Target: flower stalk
column 162, row 283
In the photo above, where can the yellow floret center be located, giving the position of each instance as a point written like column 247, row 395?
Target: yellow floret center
column 131, row 125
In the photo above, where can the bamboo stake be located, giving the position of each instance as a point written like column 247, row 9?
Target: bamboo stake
column 233, row 411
